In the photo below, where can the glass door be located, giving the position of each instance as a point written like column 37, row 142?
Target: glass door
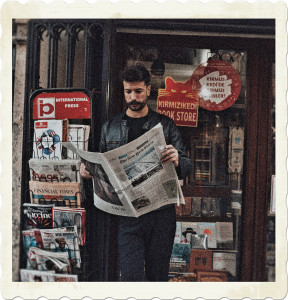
column 215, row 143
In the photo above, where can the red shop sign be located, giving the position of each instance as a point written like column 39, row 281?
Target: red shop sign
column 62, row 105
column 179, row 102
column 218, row 84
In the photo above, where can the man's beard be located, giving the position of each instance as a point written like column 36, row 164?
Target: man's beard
column 141, row 105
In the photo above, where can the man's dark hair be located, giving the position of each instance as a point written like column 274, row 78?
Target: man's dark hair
column 136, row 73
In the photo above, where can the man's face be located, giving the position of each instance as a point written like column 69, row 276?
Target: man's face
column 136, row 94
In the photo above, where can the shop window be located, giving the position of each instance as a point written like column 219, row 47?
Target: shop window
column 213, row 190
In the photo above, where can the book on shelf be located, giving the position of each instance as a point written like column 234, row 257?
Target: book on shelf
column 206, row 206
column 187, row 227
column 65, row 216
column 210, row 230
column 43, row 260
column 186, row 208
column 178, row 232
column 61, row 194
column 48, row 138
column 62, row 170
column 78, row 135
column 225, row 261
column 200, row 260
column 37, row 216
column 180, row 257
column 45, row 276
column 224, row 236
column 196, row 207
column 64, row 239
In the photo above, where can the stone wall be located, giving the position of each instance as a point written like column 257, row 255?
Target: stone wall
column 19, row 40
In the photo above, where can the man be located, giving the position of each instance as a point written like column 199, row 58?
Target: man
column 144, row 243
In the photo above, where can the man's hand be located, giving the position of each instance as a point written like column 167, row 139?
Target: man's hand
column 170, row 154
column 84, row 173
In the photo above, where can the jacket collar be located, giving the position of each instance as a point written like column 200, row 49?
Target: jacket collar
column 147, row 125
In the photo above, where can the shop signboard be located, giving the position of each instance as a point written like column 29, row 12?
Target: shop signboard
column 179, row 102
column 218, row 84
column 61, row 105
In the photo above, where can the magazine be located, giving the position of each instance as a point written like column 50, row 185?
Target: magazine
column 48, row 138
column 64, row 239
column 131, row 180
column 64, row 216
column 225, row 261
column 62, row 170
column 224, row 236
column 78, row 135
column 210, row 230
column 37, row 215
column 31, row 238
column 43, row 260
column 61, row 194
column 36, row 276
column 45, row 276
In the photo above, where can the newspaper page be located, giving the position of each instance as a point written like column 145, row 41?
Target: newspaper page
column 50, row 261
column 60, row 170
column 131, row 180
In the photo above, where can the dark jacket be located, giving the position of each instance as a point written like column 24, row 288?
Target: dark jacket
column 115, row 134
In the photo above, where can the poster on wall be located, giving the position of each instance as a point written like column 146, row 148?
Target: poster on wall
column 218, row 84
column 179, row 101
column 61, row 105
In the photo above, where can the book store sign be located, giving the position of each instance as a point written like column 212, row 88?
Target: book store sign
column 218, row 84
column 179, row 102
column 62, row 105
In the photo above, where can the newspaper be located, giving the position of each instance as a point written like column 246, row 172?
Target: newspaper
column 48, row 276
column 43, row 260
column 60, row 170
column 131, row 180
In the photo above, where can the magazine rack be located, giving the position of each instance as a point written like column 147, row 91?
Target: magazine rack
column 75, row 105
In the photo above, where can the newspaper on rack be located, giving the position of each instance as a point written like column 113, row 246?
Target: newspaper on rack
column 131, row 180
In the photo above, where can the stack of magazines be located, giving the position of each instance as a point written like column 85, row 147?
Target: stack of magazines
column 54, row 220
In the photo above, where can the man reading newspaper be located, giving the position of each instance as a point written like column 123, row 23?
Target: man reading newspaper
column 144, row 243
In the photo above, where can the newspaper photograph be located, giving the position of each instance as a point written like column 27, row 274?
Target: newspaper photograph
column 131, row 180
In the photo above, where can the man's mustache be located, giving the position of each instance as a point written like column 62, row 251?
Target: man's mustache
column 134, row 102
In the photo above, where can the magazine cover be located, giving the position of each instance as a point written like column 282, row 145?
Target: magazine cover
column 180, row 256
column 178, row 232
column 37, row 216
column 63, row 240
column 78, row 135
column 48, row 138
column 64, row 216
column 210, row 230
column 225, row 261
column 43, row 260
column 60, row 194
column 31, row 238
column 224, row 237
column 36, row 276
column 63, row 170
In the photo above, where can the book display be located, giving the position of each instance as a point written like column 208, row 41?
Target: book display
column 210, row 219
column 54, row 217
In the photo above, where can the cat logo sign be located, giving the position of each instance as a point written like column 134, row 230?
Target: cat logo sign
column 179, row 101
column 218, row 83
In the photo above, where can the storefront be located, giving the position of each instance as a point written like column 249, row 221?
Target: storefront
column 230, row 183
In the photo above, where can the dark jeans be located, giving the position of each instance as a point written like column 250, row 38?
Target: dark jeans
column 145, row 245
